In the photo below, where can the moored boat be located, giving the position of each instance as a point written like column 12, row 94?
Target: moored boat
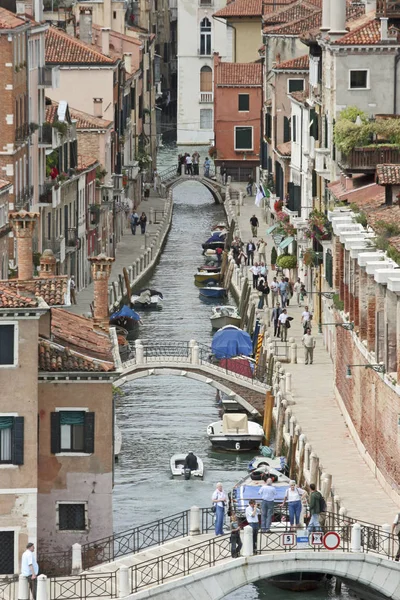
column 258, row 462
column 217, row 240
column 212, row 292
column 222, row 316
column 210, row 268
column 235, row 433
column 177, row 465
column 147, row 299
column 207, row 277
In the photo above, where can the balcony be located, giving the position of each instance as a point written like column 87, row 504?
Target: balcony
column 45, row 192
column 206, row 97
column 24, row 197
column 388, row 8
column 46, row 135
column 364, row 160
column 322, row 162
column 71, row 238
column 22, row 132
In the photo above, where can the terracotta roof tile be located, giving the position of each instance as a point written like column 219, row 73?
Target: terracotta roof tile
column 239, row 74
column 53, row 357
column 312, row 22
column 367, row 34
column 366, row 197
column 302, row 63
column 85, row 162
column 4, row 183
column 388, row 174
column 284, row 149
column 10, row 298
column 63, row 49
column 300, row 96
column 78, row 333
column 272, row 6
column 241, row 8
column 51, row 112
column 294, row 12
column 84, row 120
column 8, row 20
column 53, row 290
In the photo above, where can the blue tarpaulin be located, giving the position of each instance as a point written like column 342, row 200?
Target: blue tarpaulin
column 125, row 313
column 231, row 341
column 218, row 236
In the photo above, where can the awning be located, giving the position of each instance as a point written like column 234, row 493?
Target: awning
column 286, row 242
column 272, row 228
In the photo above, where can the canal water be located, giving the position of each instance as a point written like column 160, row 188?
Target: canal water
column 159, row 416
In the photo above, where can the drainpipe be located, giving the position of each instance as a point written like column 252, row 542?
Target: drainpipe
column 396, row 62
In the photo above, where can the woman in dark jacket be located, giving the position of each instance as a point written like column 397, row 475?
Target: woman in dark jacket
column 143, row 222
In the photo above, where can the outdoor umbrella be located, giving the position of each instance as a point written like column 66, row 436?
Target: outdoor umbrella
column 231, row 341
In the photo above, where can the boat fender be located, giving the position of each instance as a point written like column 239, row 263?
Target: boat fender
column 187, row 474
column 237, row 446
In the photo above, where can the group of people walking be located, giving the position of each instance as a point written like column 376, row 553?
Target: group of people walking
column 136, row 221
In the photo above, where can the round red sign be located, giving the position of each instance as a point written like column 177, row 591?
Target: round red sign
column 331, row 540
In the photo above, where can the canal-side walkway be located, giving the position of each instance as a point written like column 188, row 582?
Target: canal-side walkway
column 318, row 413
column 129, row 248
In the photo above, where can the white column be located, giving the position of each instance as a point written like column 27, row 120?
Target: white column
column 288, row 382
column 293, row 354
column 76, row 559
column 23, row 588
column 194, row 521
column 41, row 592
column 123, row 581
column 139, row 353
column 356, row 538
column 195, row 355
column 387, row 530
column 247, row 541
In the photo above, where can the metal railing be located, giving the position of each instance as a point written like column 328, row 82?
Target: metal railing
column 103, row 585
column 56, row 564
column 22, row 132
column 8, row 587
column 172, row 172
column 281, row 350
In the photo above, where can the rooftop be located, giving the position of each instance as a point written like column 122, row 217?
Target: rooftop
column 302, row 63
column 367, row 34
column 239, row 74
column 4, row 183
column 388, row 174
column 241, row 8
column 84, row 120
column 9, row 20
column 54, row 358
column 286, row 14
column 86, row 162
column 53, row 290
column 10, row 298
column 285, row 149
column 63, row 49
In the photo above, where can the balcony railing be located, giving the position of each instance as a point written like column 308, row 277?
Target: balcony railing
column 71, row 237
column 388, row 8
column 206, row 97
column 365, row 159
column 22, row 132
column 23, row 198
column 45, row 192
column 46, row 134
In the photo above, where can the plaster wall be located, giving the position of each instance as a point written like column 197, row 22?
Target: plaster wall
column 248, row 39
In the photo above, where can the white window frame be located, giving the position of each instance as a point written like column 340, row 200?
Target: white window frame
column 368, row 79
column 295, row 79
column 248, row 96
column 15, row 363
column 72, row 530
column 252, row 138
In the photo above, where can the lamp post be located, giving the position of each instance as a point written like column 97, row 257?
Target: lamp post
column 329, row 296
column 378, row 368
column 345, row 326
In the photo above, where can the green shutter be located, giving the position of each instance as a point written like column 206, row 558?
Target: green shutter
column 18, row 441
column 6, row 422
column 55, row 433
column 286, row 130
column 89, row 433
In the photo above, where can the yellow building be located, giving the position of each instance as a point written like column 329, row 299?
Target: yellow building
column 243, row 18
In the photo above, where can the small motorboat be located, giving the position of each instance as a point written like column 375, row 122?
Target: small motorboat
column 222, row 316
column 177, row 467
column 210, row 268
column 207, row 277
column 278, row 463
column 235, row 433
column 126, row 318
column 219, row 227
column 147, row 299
column 248, row 487
column 217, row 240
column 212, row 291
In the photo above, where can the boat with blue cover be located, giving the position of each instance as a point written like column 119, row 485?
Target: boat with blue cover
column 212, row 291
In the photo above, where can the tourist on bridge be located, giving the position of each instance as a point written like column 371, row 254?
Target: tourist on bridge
column 134, row 222
column 196, row 161
column 268, row 494
column 297, row 291
column 207, row 165
column 143, row 222
column 252, row 513
column 254, row 224
column 250, row 183
column 30, row 568
column 396, row 531
column 219, row 499
column 189, row 165
column 275, row 318
column 250, row 249
column 294, row 497
column 236, row 542
column 309, row 345
column 316, row 505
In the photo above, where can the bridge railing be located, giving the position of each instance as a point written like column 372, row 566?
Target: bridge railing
column 172, row 172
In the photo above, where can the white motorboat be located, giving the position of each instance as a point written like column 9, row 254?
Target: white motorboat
column 249, row 486
column 278, row 463
column 222, row 316
column 147, row 299
column 177, row 467
column 117, row 441
column 235, row 433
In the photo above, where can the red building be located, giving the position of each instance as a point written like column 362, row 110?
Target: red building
column 237, row 116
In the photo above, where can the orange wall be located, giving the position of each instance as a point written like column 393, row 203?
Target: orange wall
column 227, row 116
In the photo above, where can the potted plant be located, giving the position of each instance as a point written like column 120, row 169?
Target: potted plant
column 287, row 261
column 212, row 152
column 274, row 256
column 278, row 204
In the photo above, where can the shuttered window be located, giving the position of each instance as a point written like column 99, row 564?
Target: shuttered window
column 243, row 138
column 72, row 431
column 286, row 130
column 7, row 349
column 295, row 85
column 294, row 131
column 12, row 440
column 243, row 102
column 206, row 79
column 72, row 517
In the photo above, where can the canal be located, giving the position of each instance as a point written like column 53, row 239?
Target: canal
column 160, row 416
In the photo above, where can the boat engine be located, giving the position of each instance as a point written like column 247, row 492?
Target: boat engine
column 187, row 473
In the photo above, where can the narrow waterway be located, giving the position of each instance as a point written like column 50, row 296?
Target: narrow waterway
column 160, row 416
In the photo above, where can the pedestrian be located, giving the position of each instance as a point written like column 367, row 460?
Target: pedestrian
column 294, row 496
column 275, row 318
column 262, row 247
column 178, row 170
column 283, row 291
column 219, row 500
column 134, row 222
column 263, row 270
column 143, row 222
column 252, row 512
column 195, row 160
column 396, row 531
column 266, row 293
column 241, row 258
column 254, row 224
column 268, row 494
column 223, row 173
column 189, row 165
column 183, row 164
column 306, row 319
column 315, row 505
column 147, row 188
column 218, row 252
column 274, row 292
column 309, row 345
column 303, row 292
column 260, row 289
column 30, row 568
column 250, row 249
column 236, row 542
column 250, row 183
column 207, row 165
column 155, row 179
column 72, row 289
column 256, row 273
column 297, row 291
column 289, row 290
column 283, row 324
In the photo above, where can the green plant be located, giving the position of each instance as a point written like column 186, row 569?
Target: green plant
column 387, row 229
column 393, row 254
column 349, row 135
column 33, row 127
column 274, row 255
column 61, row 127
column 100, row 173
column 354, row 207
column 337, row 302
column 361, row 218
column 17, row 69
column 351, row 113
column 287, row 261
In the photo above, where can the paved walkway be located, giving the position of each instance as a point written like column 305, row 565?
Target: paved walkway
column 319, row 415
column 130, row 247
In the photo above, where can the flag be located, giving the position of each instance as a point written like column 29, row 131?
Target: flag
column 260, row 195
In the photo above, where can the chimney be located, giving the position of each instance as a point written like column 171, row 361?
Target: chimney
column 47, row 264
column 128, row 62
column 326, row 14
column 98, row 107
column 337, row 26
column 384, row 29
column 23, row 224
column 85, row 25
column 101, row 271
column 105, row 40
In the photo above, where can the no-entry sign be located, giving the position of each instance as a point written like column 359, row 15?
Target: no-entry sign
column 331, row 540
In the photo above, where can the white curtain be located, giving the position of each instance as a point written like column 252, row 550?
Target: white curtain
column 5, row 444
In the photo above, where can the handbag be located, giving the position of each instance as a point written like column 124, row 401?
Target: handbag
column 213, row 508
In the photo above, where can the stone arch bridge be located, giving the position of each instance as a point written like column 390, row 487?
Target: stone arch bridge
column 170, row 179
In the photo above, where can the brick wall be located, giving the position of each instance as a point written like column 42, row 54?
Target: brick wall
column 89, row 143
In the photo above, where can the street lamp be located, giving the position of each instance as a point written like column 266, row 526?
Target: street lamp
column 345, row 326
column 378, row 368
column 328, row 295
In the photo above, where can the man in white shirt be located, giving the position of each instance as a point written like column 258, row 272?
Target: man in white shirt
column 309, row 345
column 252, row 513
column 297, row 291
column 268, row 495
column 30, row 568
column 255, row 271
column 283, row 317
column 273, row 286
column 219, row 499
column 306, row 319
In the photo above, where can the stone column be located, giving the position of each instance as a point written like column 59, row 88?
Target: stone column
column 371, row 313
column 101, row 271
column 23, row 224
column 356, row 275
column 363, row 302
column 380, row 325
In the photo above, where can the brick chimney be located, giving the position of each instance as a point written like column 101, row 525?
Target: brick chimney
column 101, row 271
column 105, row 40
column 47, row 264
column 23, row 224
column 98, row 107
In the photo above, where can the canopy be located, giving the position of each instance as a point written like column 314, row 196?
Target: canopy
column 286, row 242
column 125, row 312
column 231, row 341
column 272, row 228
column 234, row 423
